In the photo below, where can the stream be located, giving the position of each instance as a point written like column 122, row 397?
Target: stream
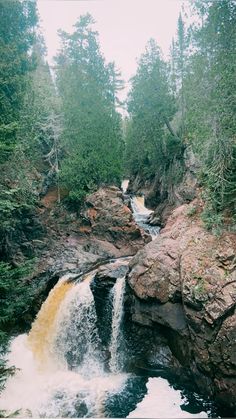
column 64, row 370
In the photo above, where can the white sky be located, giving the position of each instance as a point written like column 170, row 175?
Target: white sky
column 124, row 26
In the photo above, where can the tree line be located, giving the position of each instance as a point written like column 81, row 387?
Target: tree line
column 189, row 101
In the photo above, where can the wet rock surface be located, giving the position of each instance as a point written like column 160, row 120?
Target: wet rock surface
column 74, row 243
column 111, row 220
column 185, row 280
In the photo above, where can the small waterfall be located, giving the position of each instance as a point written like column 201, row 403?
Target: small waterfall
column 116, row 334
column 141, row 216
column 124, row 185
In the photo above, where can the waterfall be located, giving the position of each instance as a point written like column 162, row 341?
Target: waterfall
column 61, row 371
column 116, row 334
column 43, row 329
column 140, row 212
column 77, row 341
column 141, row 215
column 124, row 185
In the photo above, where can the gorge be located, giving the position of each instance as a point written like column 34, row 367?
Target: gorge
column 99, row 337
column 117, row 299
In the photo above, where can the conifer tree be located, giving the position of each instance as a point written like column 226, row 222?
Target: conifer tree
column 150, row 136
column 92, row 126
column 17, row 33
column 210, row 100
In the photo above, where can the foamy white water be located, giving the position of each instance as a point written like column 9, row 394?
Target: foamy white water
column 124, row 185
column 76, row 338
column 162, row 401
column 139, row 207
column 52, row 394
column 61, row 375
column 116, row 334
column 141, row 215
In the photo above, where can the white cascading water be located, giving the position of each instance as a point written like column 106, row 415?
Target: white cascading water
column 140, row 212
column 116, row 361
column 77, row 342
column 124, row 185
column 61, row 371
column 141, row 215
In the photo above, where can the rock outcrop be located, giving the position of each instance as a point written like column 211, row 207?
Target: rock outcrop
column 104, row 230
column 108, row 220
column 185, row 281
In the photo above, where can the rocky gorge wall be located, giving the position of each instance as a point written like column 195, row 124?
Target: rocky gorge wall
column 185, row 282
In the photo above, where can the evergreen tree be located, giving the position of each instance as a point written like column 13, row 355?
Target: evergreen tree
column 17, row 32
column 92, row 126
column 151, row 142
column 179, row 59
column 39, row 135
column 210, row 100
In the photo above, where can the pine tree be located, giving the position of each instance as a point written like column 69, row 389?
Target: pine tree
column 210, row 100
column 180, row 57
column 92, row 127
column 17, row 32
column 41, row 121
column 150, row 136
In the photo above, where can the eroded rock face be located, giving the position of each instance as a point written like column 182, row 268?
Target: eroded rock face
column 105, row 230
column 110, row 220
column 185, row 280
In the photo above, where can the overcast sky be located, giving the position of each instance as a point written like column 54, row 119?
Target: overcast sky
column 124, row 26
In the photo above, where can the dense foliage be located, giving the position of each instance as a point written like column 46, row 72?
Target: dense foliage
column 211, row 102
column 17, row 23
column 27, row 140
column 11, row 290
column 152, row 145
column 92, row 127
column 201, row 107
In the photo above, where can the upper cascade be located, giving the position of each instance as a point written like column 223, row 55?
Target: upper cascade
column 142, row 215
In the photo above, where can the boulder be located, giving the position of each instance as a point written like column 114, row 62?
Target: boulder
column 110, row 220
